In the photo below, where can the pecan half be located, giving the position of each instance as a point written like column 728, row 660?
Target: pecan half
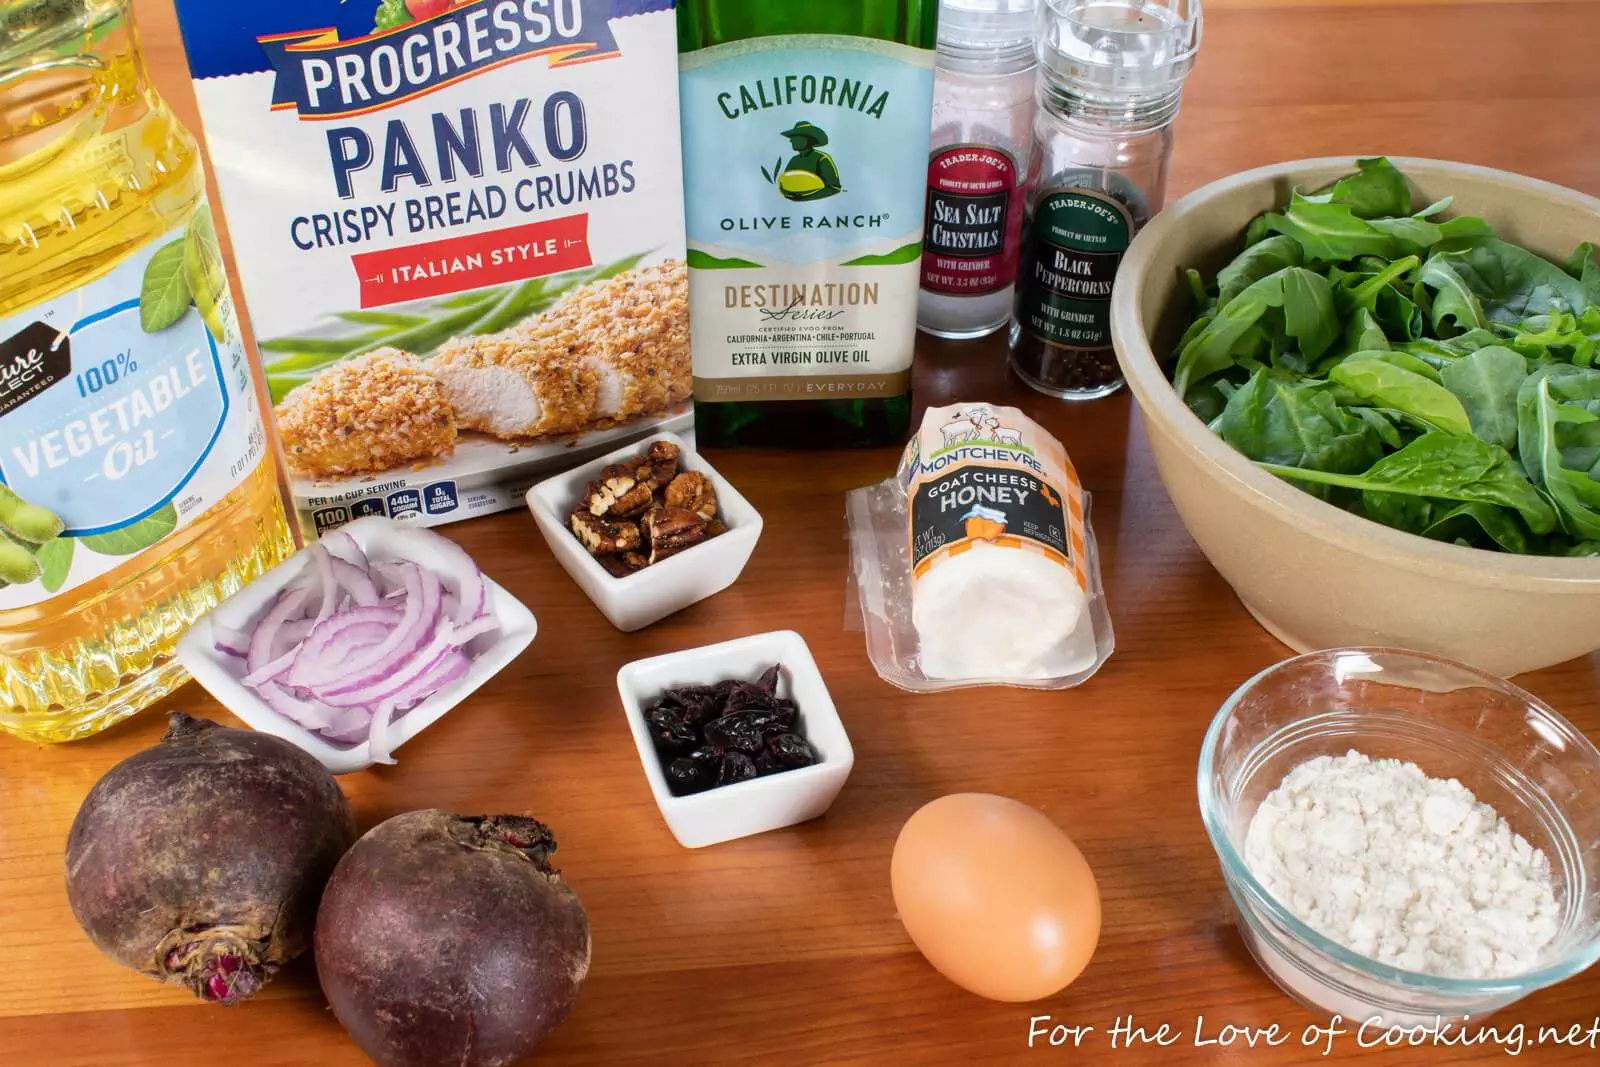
column 694, row 492
column 635, row 561
column 634, row 502
column 671, row 530
column 715, row 528
column 616, row 483
column 603, row 536
column 661, row 460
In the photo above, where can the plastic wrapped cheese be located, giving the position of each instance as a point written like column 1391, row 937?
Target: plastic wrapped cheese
column 976, row 564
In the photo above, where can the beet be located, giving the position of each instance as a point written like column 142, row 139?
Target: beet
column 200, row 861
column 445, row 939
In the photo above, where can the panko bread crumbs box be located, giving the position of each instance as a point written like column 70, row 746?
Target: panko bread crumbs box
column 459, row 226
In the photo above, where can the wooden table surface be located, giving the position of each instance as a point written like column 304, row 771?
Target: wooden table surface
column 785, row 948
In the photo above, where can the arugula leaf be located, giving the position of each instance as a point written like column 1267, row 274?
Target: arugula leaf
column 164, row 295
column 1384, row 384
column 1486, row 383
column 1254, row 263
column 136, row 536
column 1574, row 492
column 1442, row 467
column 1562, row 336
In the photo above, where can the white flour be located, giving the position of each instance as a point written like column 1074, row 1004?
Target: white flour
column 1405, row 869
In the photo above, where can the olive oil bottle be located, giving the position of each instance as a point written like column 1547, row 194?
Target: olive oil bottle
column 138, row 486
column 805, row 136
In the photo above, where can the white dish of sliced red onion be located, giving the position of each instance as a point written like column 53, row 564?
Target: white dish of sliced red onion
column 357, row 643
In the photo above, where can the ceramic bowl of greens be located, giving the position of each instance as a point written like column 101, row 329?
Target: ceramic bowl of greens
column 1372, row 390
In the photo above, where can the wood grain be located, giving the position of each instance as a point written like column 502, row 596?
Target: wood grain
column 785, row 948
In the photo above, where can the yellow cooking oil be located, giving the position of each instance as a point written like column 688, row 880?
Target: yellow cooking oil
column 139, row 487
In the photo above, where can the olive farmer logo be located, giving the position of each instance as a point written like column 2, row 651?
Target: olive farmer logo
column 811, row 173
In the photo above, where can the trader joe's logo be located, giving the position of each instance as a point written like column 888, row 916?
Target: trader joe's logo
column 810, row 173
column 418, row 46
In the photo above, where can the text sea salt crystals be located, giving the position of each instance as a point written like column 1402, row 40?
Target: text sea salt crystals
column 1404, row 869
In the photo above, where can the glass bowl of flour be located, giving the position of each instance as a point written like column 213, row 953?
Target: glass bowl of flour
column 1410, row 844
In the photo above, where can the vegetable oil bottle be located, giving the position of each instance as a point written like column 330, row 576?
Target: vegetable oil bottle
column 138, row 487
column 805, row 137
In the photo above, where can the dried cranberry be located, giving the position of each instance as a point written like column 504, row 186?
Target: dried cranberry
column 791, row 751
column 686, row 776
column 736, row 767
column 671, row 730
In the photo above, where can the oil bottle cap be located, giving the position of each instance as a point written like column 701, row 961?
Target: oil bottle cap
column 987, row 25
column 1110, row 52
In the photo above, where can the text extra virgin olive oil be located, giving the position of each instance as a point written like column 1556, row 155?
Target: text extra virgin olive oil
column 138, row 486
column 805, row 136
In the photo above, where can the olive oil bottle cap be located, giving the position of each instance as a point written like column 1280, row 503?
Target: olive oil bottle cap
column 1116, row 57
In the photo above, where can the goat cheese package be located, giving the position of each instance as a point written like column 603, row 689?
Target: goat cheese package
column 459, row 229
column 976, row 563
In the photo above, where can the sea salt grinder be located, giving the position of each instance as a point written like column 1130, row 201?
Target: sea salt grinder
column 1110, row 80
column 983, row 93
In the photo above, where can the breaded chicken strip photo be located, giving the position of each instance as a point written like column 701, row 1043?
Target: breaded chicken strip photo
column 377, row 411
column 611, row 351
column 633, row 331
column 509, row 386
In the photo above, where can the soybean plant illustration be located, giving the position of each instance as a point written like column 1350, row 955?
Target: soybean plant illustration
column 185, row 272
column 27, row 534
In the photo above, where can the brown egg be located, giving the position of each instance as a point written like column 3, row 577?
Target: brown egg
column 996, row 897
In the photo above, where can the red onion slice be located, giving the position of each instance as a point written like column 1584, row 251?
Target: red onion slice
column 350, row 644
column 341, row 545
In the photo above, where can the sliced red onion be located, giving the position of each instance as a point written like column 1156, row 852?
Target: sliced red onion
column 357, row 582
column 349, row 644
column 229, row 640
column 258, row 658
column 341, row 545
column 463, row 578
column 378, row 746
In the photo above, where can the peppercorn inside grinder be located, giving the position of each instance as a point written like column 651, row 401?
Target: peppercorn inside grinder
column 1111, row 78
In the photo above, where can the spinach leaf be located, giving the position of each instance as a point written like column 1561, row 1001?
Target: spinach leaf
column 164, row 295
column 1505, row 283
column 1255, row 263
column 1279, row 420
column 1582, row 266
column 1574, row 492
column 1377, row 189
column 136, row 536
column 1305, row 302
column 1486, row 383
column 1330, row 233
column 1477, row 523
column 1383, row 384
column 1442, row 467
column 1381, row 424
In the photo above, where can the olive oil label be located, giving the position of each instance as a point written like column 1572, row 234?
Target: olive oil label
column 1075, row 242
column 445, row 213
column 980, row 473
column 126, row 410
column 974, row 221
column 805, row 159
